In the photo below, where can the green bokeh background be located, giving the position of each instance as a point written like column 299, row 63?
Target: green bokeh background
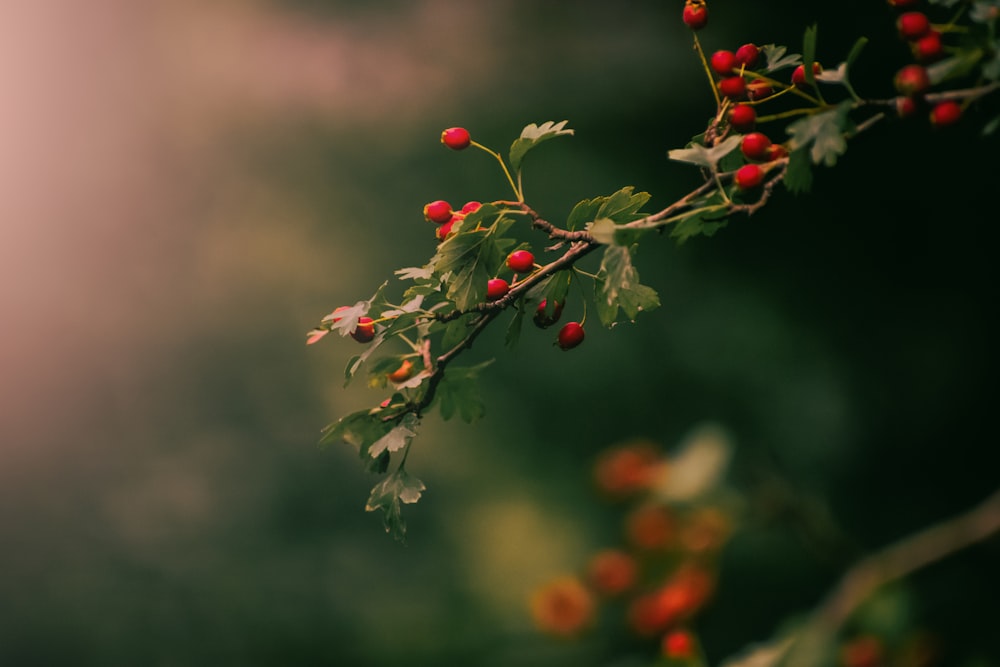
column 162, row 498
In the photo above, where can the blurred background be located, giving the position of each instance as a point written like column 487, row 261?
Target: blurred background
column 186, row 188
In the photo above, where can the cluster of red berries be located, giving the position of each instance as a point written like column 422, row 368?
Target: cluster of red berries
column 441, row 213
column 520, row 262
column 913, row 80
column 663, row 571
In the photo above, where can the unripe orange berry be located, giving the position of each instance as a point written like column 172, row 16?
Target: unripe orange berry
column 403, row 373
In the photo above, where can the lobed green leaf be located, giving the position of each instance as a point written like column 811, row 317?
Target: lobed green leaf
column 388, row 495
column 532, row 135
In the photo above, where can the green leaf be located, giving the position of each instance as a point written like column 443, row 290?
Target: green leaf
column 984, row 11
column 700, row 221
column 776, row 58
column 809, row 54
column 397, row 438
column 415, row 273
column 471, row 259
column 514, row 328
column 618, row 287
column 532, row 135
column 698, row 154
column 459, row 393
column 991, row 68
column 798, row 176
column 954, row 67
column 552, row 290
column 355, row 362
column 621, row 207
column 824, row 132
column 388, row 495
column 359, row 429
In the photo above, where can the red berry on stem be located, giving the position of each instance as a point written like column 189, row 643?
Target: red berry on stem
column 678, row 645
column 544, row 320
column 733, row 87
column 758, row 89
column 912, row 25
column 799, row 74
column 695, row 14
column 496, row 288
column 749, row 176
column 365, row 330
column 723, row 62
column 570, row 335
column 742, row 117
column 946, row 113
column 471, row 207
column 928, row 47
column 912, row 80
column 521, row 261
column 456, row 138
column 905, row 106
column 438, row 211
column 444, row 231
column 755, row 145
column 747, row 55
column 776, row 152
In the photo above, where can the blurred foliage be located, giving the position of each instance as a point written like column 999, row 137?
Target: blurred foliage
column 180, row 513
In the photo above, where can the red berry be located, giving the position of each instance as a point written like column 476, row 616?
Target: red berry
column 945, row 113
column 444, row 231
column 438, row 211
column 905, row 106
column 776, row 152
column 723, row 62
column 521, row 261
column 912, row 25
column 733, row 87
column 456, row 138
column 471, row 207
column 799, row 74
column 496, row 288
column 695, row 14
column 544, row 320
column 755, row 145
column 758, row 89
column 678, row 645
column 742, row 117
column 912, row 80
column 747, row 55
column 365, row 330
column 749, row 176
column 570, row 335
column 928, row 47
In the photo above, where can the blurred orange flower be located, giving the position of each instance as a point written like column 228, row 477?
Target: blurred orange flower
column 563, row 607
